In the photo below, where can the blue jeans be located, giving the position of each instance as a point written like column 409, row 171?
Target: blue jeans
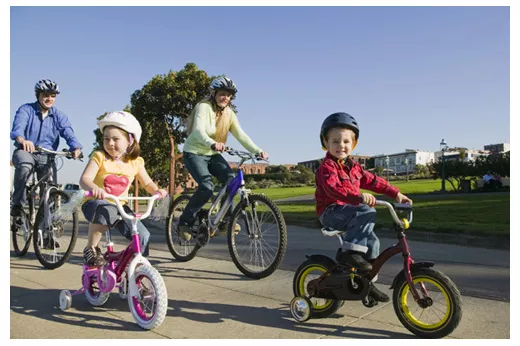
column 102, row 212
column 25, row 163
column 358, row 221
column 201, row 168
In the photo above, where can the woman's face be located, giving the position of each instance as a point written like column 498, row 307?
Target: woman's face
column 223, row 97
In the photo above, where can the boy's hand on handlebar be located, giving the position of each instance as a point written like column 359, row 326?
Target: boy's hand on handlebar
column 98, row 193
column 218, row 147
column 369, row 199
column 400, row 198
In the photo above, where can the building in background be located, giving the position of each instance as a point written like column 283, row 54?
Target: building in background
column 497, row 148
column 314, row 164
column 403, row 162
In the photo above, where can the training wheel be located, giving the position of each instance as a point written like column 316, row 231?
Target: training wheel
column 301, row 308
column 65, row 300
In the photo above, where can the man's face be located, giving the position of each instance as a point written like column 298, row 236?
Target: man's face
column 46, row 100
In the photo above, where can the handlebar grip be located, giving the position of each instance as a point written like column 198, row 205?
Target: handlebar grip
column 87, row 193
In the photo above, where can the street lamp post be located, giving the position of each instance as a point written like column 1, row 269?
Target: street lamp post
column 406, row 163
column 444, row 147
column 387, row 161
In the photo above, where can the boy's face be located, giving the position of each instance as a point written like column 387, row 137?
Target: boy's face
column 340, row 142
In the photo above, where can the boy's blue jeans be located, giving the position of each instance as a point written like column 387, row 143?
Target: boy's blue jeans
column 358, row 221
column 201, row 168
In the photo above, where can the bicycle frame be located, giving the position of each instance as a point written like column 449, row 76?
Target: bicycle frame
column 119, row 262
column 400, row 247
column 232, row 187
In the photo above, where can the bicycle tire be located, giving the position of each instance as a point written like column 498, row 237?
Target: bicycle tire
column 418, row 319
column 22, row 250
column 188, row 249
column 257, row 241
column 54, row 194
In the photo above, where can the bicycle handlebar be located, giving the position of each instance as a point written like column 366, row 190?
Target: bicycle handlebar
column 244, row 154
column 119, row 206
column 65, row 152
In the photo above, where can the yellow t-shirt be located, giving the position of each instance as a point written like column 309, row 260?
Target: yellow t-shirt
column 115, row 177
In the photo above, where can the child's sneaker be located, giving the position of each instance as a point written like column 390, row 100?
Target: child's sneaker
column 93, row 257
column 379, row 296
column 355, row 259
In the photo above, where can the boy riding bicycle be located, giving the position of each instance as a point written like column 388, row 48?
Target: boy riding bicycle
column 339, row 202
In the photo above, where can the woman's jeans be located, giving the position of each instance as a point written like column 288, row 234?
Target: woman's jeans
column 201, row 168
column 358, row 221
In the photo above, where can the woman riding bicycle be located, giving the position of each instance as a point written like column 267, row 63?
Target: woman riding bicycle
column 208, row 126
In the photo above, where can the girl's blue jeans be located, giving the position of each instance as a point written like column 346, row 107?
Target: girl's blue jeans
column 358, row 221
column 201, row 168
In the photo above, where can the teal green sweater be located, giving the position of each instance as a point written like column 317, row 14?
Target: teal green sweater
column 202, row 135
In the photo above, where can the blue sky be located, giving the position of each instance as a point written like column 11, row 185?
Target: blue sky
column 410, row 75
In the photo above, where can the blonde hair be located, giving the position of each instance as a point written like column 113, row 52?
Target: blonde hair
column 223, row 120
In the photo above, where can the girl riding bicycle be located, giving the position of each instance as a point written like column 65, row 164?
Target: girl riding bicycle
column 112, row 170
column 208, row 126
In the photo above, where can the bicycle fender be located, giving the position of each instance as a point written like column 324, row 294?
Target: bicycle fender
column 413, row 266
column 132, row 286
column 322, row 258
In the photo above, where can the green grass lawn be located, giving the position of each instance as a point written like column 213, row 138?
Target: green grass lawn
column 410, row 187
column 472, row 214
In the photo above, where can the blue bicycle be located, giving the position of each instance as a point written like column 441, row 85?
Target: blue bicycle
column 256, row 230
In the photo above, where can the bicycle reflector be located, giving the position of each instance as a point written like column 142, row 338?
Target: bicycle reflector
column 406, row 224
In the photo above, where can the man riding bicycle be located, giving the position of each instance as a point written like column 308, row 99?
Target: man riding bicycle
column 38, row 124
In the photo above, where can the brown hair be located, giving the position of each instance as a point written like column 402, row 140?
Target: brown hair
column 132, row 152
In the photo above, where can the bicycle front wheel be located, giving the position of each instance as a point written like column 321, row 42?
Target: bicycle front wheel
column 439, row 310
column 182, row 249
column 257, row 246
column 54, row 244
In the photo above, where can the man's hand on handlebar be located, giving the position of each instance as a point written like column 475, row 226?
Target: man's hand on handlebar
column 27, row 145
column 77, row 154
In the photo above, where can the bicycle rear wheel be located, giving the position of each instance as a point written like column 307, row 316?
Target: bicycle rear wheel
column 259, row 247
column 181, row 249
column 54, row 244
column 21, row 234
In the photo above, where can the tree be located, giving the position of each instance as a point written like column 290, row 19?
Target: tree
column 276, row 169
column 162, row 107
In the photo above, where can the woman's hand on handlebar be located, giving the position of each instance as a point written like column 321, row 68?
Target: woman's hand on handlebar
column 400, row 198
column 263, row 155
column 220, row 147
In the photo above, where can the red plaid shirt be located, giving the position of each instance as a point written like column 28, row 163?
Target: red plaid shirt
column 339, row 183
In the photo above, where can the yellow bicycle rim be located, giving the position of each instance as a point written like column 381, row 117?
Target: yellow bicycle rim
column 301, row 285
column 416, row 319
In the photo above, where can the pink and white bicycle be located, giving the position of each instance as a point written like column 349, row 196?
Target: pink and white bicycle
column 136, row 279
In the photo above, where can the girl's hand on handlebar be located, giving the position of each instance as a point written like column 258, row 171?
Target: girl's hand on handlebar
column 368, row 199
column 400, row 198
column 162, row 192
column 98, row 193
column 218, row 146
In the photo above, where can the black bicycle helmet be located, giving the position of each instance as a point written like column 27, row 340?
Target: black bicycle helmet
column 46, row 86
column 222, row 83
column 339, row 119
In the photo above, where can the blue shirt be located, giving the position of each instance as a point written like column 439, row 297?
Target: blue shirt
column 45, row 133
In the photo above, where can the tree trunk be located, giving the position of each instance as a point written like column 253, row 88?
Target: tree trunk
column 136, row 194
column 172, row 167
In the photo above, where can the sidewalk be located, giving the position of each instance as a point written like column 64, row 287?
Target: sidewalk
column 211, row 299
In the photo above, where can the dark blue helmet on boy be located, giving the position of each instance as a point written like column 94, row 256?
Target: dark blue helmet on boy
column 339, row 119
